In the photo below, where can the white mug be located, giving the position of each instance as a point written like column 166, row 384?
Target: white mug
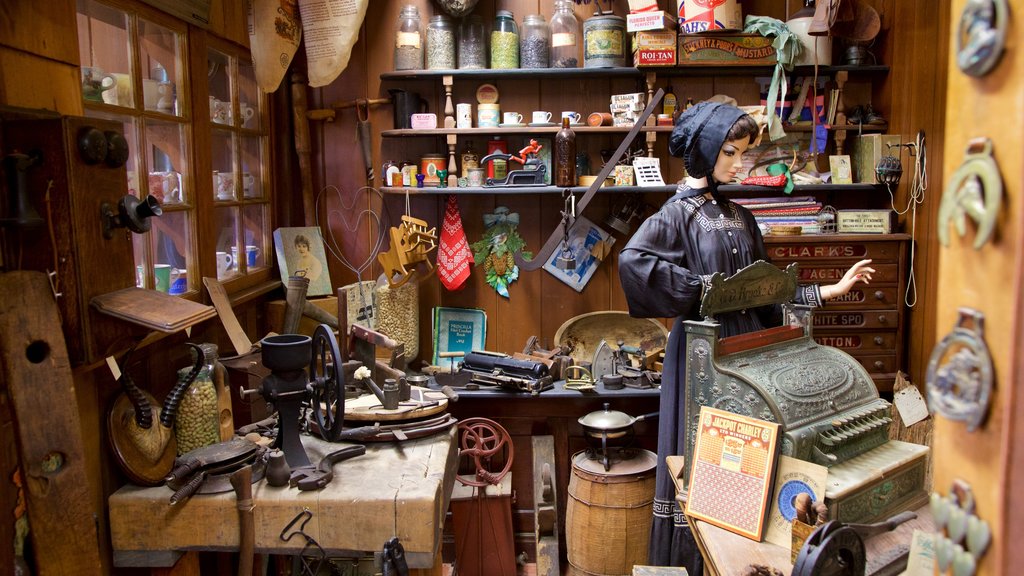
column 541, row 117
column 574, row 117
column 247, row 185
column 464, row 115
column 224, row 262
column 150, row 93
column 252, row 254
column 246, row 112
column 122, row 94
column 166, row 101
column 165, row 186
column 512, row 118
column 218, row 112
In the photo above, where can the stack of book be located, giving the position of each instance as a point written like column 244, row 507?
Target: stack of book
column 802, row 211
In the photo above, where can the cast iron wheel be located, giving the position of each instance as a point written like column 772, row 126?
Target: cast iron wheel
column 481, row 439
column 326, row 384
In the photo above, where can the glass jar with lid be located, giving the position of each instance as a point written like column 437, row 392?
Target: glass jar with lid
column 504, row 41
column 565, row 34
column 409, row 40
column 198, row 420
column 440, row 43
column 533, row 43
column 472, row 43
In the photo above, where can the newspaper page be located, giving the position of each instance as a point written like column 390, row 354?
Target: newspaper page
column 274, row 35
column 331, row 29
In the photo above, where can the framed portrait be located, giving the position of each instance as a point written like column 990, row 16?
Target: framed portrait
column 300, row 252
column 588, row 246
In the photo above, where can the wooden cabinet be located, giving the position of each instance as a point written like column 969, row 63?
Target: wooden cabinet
column 868, row 322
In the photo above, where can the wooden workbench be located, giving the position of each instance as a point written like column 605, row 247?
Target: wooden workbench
column 395, row 489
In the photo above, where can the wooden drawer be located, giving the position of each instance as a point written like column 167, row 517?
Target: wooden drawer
column 855, row 320
column 867, row 298
column 854, row 343
column 819, row 249
column 830, row 273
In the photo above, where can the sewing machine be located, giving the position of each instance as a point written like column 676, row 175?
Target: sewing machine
column 828, row 406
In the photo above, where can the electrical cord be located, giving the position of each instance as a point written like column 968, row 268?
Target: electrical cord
column 918, row 186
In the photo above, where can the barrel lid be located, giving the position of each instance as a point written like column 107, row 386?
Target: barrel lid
column 645, row 461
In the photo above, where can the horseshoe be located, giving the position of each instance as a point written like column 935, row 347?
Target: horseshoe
column 975, row 190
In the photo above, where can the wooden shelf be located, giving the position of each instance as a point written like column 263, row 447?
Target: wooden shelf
column 719, row 70
column 627, row 72
column 519, row 130
column 731, row 189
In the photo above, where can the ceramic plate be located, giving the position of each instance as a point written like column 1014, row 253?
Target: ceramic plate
column 542, row 124
column 520, row 125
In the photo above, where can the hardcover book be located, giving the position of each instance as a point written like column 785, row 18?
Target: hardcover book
column 733, row 468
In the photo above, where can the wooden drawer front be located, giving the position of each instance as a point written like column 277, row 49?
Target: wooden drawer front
column 878, row 363
column 868, row 297
column 855, row 320
column 858, row 342
column 833, row 250
column 832, row 273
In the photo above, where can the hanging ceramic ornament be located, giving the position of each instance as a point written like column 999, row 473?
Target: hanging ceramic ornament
column 494, row 251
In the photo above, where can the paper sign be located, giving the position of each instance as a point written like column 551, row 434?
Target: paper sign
column 911, row 406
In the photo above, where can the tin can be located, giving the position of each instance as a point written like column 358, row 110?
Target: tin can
column 430, row 164
column 604, row 42
column 475, row 177
column 488, row 115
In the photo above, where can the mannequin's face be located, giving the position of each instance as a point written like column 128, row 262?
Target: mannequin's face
column 730, row 160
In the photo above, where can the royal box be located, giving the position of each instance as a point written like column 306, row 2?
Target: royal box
column 723, row 49
column 656, row 48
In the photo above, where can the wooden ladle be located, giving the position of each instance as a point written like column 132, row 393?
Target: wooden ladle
column 146, row 449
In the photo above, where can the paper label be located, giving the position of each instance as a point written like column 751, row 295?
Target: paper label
column 563, row 39
column 911, row 406
column 921, row 561
column 407, row 39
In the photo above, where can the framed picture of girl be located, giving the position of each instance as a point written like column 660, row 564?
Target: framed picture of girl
column 300, row 252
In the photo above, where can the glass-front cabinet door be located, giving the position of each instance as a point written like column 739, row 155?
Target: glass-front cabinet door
column 134, row 66
column 238, row 150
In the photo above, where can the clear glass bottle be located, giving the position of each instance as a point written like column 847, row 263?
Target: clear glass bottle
column 565, row 34
column 409, row 40
column 534, row 43
column 198, row 420
column 565, row 156
column 504, row 41
column 472, row 43
column 440, row 43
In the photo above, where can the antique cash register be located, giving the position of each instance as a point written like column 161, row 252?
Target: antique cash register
column 826, row 403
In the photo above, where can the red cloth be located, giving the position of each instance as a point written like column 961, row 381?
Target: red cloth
column 453, row 254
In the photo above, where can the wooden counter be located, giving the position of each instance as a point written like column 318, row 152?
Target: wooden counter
column 395, row 489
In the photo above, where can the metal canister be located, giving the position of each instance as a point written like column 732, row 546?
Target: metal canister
column 604, row 41
column 430, row 164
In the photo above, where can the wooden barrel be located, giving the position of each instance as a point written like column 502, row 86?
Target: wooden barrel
column 608, row 515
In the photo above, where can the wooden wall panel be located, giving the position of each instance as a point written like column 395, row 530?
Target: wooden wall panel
column 53, row 41
column 987, row 280
column 24, row 74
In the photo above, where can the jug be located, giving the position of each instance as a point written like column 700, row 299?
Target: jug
column 405, row 104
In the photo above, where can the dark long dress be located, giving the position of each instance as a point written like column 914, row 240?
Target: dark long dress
column 663, row 269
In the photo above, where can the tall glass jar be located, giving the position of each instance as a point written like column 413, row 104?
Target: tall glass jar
column 565, row 34
column 198, row 420
column 504, row 41
column 440, row 43
column 533, row 45
column 409, row 40
column 472, row 43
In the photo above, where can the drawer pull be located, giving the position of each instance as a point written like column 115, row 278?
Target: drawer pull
column 878, row 340
column 879, row 295
column 879, row 364
column 882, row 319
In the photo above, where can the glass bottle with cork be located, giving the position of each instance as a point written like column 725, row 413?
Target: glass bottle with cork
column 565, row 156
column 565, row 33
column 409, row 40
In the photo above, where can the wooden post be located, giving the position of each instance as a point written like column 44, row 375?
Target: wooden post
column 302, row 147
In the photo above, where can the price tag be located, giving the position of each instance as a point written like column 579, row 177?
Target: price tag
column 911, row 406
column 115, row 370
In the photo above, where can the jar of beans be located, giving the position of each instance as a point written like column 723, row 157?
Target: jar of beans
column 504, row 41
column 533, row 44
column 409, row 40
column 440, row 43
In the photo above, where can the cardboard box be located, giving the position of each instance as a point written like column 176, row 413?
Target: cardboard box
column 725, row 49
column 656, row 48
column 881, row 221
column 643, row 5
column 867, row 150
column 656, row 20
column 695, row 16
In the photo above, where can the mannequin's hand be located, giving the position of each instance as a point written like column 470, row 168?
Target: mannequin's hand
column 859, row 272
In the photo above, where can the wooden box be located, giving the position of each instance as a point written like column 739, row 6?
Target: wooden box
column 726, row 49
column 656, row 48
column 868, row 149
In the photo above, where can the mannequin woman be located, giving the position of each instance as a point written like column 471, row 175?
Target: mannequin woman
column 665, row 267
